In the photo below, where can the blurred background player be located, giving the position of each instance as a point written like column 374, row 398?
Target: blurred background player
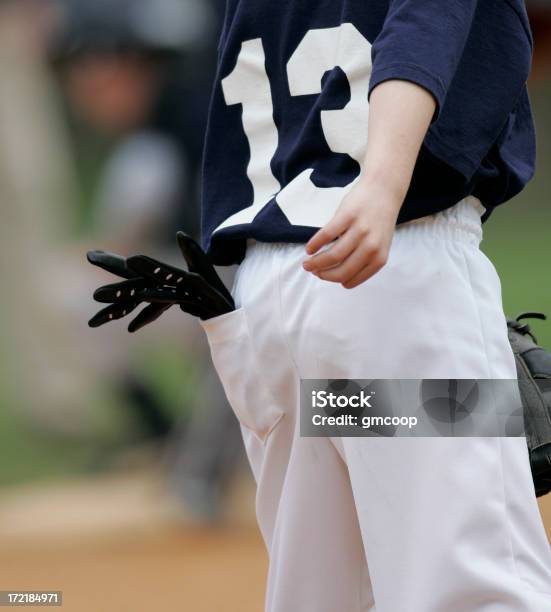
column 136, row 74
column 134, row 78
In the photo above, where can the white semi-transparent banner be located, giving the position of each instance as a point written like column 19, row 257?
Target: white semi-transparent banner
column 411, row 407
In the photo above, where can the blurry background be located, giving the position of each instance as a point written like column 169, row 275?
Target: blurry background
column 122, row 479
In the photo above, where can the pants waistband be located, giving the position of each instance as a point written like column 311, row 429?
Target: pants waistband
column 461, row 222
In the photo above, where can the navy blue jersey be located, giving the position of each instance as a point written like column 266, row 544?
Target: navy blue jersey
column 288, row 120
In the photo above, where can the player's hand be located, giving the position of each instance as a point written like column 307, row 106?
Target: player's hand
column 198, row 290
column 362, row 230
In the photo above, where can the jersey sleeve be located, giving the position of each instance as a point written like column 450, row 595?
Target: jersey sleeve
column 422, row 41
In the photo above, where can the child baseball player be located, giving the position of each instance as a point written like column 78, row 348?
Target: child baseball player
column 353, row 151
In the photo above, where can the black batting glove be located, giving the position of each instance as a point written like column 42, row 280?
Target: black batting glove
column 198, row 290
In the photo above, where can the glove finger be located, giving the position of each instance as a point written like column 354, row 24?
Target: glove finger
column 193, row 292
column 112, row 313
column 202, row 311
column 197, row 291
column 186, row 284
column 128, row 290
column 170, row 295
column 193, row 254
column 205, row 306
column 111, row 262
column 155, row 270
column 141, row 290
column 199, row 262
column 212, row 298
column 149, row 314
column 197, row 310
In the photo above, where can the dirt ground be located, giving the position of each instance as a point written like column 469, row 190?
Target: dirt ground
column 176, row 571
column 121, row 543
column 113, row 545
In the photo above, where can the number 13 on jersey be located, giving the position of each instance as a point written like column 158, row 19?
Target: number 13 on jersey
column 345, row 130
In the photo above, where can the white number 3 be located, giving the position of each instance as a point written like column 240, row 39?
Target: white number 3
column 345, row 130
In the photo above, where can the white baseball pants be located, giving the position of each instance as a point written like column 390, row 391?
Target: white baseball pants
column 392, row 524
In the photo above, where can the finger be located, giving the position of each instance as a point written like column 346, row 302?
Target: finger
column 334, row 255
column 359, row 259
column 199, row 262
column 112, row 313
column 155, row 270
column 337, row 226
column 128, row 290
column 362, row 276
column 111, row 262
column 149, row 314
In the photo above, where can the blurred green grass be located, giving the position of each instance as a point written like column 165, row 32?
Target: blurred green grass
column 29, row 453
column 517, row 237
column 518, row 245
